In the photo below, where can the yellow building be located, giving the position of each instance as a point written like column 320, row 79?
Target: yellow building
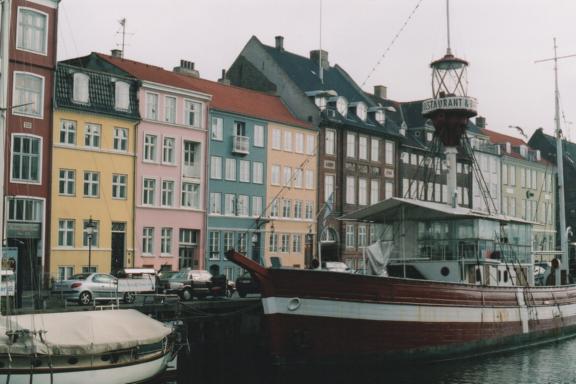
column 93, row 158
column 291, row 195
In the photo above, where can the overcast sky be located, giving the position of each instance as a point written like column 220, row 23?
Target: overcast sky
column 500, row 38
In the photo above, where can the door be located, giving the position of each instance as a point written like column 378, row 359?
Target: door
column 118, row 247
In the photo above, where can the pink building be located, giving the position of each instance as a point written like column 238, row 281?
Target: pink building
column 170, row 179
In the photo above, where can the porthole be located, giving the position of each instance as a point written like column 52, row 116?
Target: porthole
column 445, row 271
column 105, row 357
column 72, row 360
column 505, row 276
column 294, row 304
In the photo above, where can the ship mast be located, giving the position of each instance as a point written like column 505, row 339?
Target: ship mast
column 450, row 107
column 560, row 164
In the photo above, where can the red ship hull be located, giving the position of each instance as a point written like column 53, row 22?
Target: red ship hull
column 324, row 316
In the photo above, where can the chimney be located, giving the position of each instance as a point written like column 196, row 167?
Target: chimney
column 116, row 53
column 380, row 91
column 317, row 54
column 223, row 79
column 187, row 68
column 481, row 122
column 279, row 43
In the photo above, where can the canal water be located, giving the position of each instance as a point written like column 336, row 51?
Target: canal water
column 551, row 363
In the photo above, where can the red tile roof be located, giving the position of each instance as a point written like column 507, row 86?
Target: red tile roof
column 226, row 98
column 500, row 138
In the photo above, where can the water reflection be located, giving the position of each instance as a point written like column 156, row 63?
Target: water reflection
column 551, row 363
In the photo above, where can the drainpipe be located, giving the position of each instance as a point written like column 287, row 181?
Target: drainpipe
column 5, row 43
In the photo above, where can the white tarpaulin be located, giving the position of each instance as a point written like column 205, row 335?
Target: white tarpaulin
column 377, row 257
column 80, row 333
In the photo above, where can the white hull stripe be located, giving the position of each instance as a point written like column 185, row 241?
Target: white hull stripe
column 412, row 312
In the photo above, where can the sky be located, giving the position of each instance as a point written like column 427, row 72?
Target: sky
column 500, row 39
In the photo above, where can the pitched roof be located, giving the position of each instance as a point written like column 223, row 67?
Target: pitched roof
column 101, row 92
column 225, row 98
column 500, row 138
column 548, row 147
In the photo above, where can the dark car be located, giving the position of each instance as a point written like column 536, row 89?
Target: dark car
column 163, row 277
column 246, row 284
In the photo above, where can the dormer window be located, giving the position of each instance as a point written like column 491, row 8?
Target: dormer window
column 523, row 151
column 361, row 110
column 80, row 92
column 122, row 96
column 320, row 102
column 380, row 117
column 342, row 105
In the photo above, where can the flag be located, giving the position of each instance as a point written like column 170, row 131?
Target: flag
column 326, row 210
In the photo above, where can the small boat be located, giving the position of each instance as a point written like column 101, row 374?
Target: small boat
column 108, row 346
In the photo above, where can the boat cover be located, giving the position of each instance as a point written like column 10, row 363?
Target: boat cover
column 80, row 333
column 378, row 255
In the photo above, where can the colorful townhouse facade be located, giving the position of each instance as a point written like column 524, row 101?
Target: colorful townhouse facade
column 170, row 181
column 29, row 60
column 357, row 151
column 93, row 166
column 528, row 190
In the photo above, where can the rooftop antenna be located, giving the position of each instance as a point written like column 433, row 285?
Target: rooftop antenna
column 320, row 70
column 122, row 31
column 560, row 165
column 448, row 50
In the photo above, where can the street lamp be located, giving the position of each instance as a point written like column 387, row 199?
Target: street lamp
column 90, row 228
column 309, row 247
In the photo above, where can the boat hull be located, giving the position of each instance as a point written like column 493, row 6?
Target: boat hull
column 129, row 373
column 319, row 316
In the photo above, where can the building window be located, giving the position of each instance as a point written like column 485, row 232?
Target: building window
column 298, row 175
column 122, row 96
column 273, row 244
column 375, row 149
column 276, row 138
column 298, row 209
column 275, row 179
column 215, row 203
column 328, row 187
column 119, row 186
column 351, row 145
column 215, row 167
column 120, row 139
column 362, row 236
column 350, row 190
column 166, row 242
column 244, row 171
column 148, row 191
column 286, row 208
column 28, row 96
column 330, row 142
column 388, row 190
column 147, row 240
column 91, row 184
column 258, row 136
column 32, row 31
column 284, row 243
column 363, row 148
column 150, row 147
column 310, row 145
column 309, row 212
column 299, row 142
column 92, row 135
column 296, row 243
column 192, row 113
column 228, row 241
column 94, row 237
column 256, row 206
column 152, row 106
column 374, row 191
column 66, row 233
column 168, row 150
column 287, row 141
column 362, row 191
column 65, row 272
column 242, row 242
column 389, row 152
column 350, row 236
column 257, row 172
column 191, row 165
column 167, row 193
column 287, row 177
column 66, row 182
column 26, row 158
column 230, row 172
column 214, row 245
column 170, row 109
column 67, row 132
column 80, row 92
column 191, row 195
column 229, row 204
column 243, row 205
column 309, row 179
column 217, row 128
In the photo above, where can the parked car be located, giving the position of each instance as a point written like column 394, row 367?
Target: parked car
column 190, row 283
column 163, row 280
column 86, row 287
column 246, row 284
column 336, row 266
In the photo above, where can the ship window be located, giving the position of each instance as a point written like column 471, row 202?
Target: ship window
column 445, row 271
column 478, row 275
column 505, row 276
column 73, row 360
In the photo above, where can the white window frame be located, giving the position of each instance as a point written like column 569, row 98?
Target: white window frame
column 310, row 144
column 298, row 177
column 149, row 191
column 66, row 181
column 92, row 132
column 259, row 136
column 275, row 174
column 166, row 241
column 170, row 113
column 149, row 152
column 148, row 241
column 351, row 145
column 19, row 37
column 350, row 190
column 119, row 186
column 287, row 177
column 330, row 142
column 243, row 205
column 190, row 197
column 120, row 140
column 244, row 171
column 298, row 142
column 38, row 180
column 375, row 149
column 122, row 96
column 68, row 128
column 276, row 138
column 91, row 183
column 196, row 111
column 363, row 147
column 329, row 181
column 374, row 191
column 389, row 152
column 217, row 129
column 216, row 167
column 229, row 204
column 17, row 102
column 230, row 169
column 167, row 189
column 362, row 191
column 215, row 203
column 81, row 88
column 309, row 179
column 152, row 112
column 66, row 233
column 168, row 150
column 257, row 172
column 257, row 206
